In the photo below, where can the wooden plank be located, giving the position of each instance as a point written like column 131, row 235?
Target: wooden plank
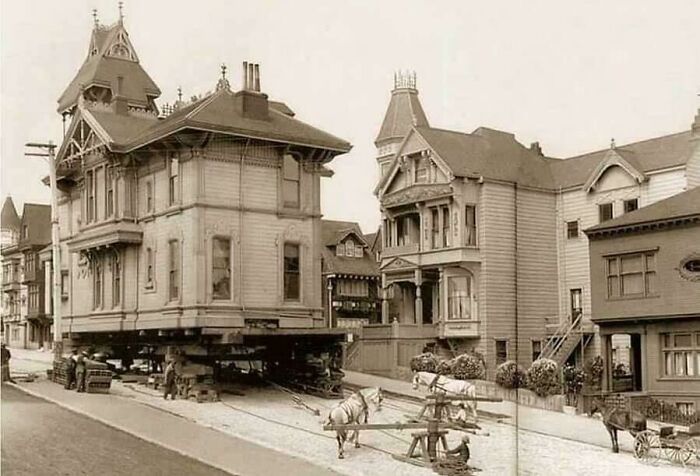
column 460, row 398
column 439, row 426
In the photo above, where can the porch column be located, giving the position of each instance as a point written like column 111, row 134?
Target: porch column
column 385, row 301
column 605, row 345
column 418, row 314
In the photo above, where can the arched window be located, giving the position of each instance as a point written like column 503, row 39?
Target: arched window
column 350, row 248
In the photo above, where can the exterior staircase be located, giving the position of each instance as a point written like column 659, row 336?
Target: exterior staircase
column 352, row 355
column 568, row 336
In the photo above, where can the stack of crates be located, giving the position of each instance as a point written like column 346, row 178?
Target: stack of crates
column 59, row 371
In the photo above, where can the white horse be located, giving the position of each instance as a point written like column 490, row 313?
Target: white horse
column 354, row 410
column 448, row 386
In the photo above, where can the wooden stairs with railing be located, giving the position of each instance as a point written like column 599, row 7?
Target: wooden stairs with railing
column 352, row 354
column 568, row 336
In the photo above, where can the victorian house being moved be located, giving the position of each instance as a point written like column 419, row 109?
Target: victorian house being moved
column 195, row 226
column 482, row 241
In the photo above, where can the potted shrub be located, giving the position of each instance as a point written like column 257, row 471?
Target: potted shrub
column 426, row 362
column 593, row 372
column 468, row 366
column 543, row 377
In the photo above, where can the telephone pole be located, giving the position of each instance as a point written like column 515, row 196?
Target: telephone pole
column 47, row 152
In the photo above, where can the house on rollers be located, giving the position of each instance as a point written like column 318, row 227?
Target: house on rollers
column 196, row 225
column 483, row 246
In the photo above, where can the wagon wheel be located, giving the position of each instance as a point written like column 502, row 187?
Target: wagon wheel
column 676, row 453
column 647, row 447
column 690, row 451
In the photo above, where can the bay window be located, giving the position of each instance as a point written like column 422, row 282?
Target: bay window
column 459, row 297
column 681, row 354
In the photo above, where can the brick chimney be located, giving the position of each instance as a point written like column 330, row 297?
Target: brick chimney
column 253, row 103
column 536, row 148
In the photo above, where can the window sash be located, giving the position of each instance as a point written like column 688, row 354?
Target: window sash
column 221, row 268
column 470, row 225
column 605, row 211
column 631, row 275
column 174, row 270
column 572, row 229
column 459, row 298
column 291, row 181
column 174, row 180
column 116, row 282
column 631, row 205
column 292, row 273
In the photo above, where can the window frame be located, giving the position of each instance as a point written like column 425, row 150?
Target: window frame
column 174, row 174
column 690, row 355
column 532, row 348
column 446, row 226
column 617, row 276
column 601, row 208
column 110, row 193
column 228, row 269
column 150, row 202
column 174, row 270
column 286, row 271
column 573, row 293
column 150, row 268
column 452, row 296
column 64, row 284
column 498, row 341
column 626, row 203
column 288, row 180
column 470, row 229
column 572, row 234
column 116, row 280
column 97, row 285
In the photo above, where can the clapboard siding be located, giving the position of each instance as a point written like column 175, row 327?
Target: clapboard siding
column 498, row 265
column 663, row 185
column 536, row 268
column 692, row 170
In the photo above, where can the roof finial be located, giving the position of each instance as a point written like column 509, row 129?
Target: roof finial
column 121, row 12
column 612, row 143
column 223, row 82
column 94, row 17
column 179, row 93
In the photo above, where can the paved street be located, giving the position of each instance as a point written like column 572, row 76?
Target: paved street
column 41, row 438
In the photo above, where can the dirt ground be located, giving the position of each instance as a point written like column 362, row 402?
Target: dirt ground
column 269, row 417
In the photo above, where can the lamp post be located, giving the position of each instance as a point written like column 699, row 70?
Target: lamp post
column 47, row 152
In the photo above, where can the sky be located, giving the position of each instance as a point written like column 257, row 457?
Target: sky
column 569, row 74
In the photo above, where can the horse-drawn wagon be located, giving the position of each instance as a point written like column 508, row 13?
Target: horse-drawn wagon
column 678, row 446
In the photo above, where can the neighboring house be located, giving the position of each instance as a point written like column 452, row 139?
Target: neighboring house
column 482, row 248
column 25, row 323
column 10, row 225
column 645, row 284
column 203, row 224
column 350, row 276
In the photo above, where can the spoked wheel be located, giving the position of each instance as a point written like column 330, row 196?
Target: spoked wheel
column 677, row 453
column 647, row 447
column 690, row 452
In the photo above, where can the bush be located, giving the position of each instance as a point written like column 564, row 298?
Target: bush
column 510, row 375
column 468, row 366
column 572, row 378
column 593, row 371
column 444, row 367
column 426, row 362
column 543, row 377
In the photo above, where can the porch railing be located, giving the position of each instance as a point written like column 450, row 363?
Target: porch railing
column 562, row 334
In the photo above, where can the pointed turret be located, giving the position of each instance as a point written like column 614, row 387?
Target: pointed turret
column 403, row 113
column 9, row 223
column 111, row 74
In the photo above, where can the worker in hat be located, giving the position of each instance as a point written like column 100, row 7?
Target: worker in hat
column 169, row 383
column 462, row 450
column 6, row 355
column 81, row 371
column 70, row 369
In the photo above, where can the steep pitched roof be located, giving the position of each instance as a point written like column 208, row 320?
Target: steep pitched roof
column 103, row 69
column 9, row 220
column 404, row 112
column 682, row 205
column 489, row 153
column 221, row 112
column 37, row 219
column 332, row 232
column 647, row 155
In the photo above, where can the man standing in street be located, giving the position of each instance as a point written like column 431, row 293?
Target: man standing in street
column 169, row 387
column 70, row 369
column 80, row 371
column 6, row 355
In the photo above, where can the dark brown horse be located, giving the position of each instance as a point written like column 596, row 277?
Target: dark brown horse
column 615, row 418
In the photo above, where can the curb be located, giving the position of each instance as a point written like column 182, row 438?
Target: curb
column 120, row 428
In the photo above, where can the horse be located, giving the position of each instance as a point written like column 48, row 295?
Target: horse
column 615, row 418
column 437, row 383
column 353, row 410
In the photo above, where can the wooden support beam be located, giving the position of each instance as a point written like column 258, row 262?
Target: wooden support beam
column 465, row 398
column 401, row 426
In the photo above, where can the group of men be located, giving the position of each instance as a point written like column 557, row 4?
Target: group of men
column 76, row 370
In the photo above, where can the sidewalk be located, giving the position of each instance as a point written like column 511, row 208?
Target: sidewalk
column 575, row 428
column 224, row 452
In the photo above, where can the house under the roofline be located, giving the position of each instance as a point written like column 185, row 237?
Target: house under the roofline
column 197, row 226
column 350, row 276
column 482, row 247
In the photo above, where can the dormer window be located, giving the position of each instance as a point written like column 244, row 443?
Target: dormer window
column 350, row 248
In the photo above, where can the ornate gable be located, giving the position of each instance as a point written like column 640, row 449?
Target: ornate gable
column 82, row 139
column 398, row 264
column 613, row 158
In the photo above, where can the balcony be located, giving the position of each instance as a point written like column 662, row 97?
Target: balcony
column 356, row 304
column 461, row 328
column 399, row 331
column 391, row 251
column 11, row 283
column 124, row 233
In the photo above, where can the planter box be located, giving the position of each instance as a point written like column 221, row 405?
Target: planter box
column 521, row 395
